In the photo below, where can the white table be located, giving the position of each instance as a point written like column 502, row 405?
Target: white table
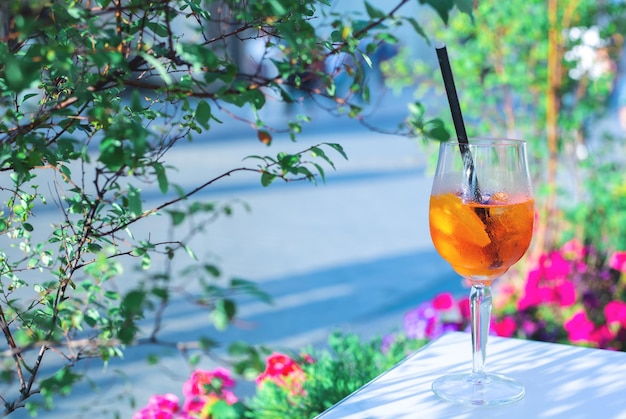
column 561, row 382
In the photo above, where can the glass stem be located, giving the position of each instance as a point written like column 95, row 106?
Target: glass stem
column 480, row 306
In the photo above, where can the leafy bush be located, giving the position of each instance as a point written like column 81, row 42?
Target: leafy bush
column 329, row 377
column 93, row 97
column 295, row 387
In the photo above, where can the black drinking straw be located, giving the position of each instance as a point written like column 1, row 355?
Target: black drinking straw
column 457, row 118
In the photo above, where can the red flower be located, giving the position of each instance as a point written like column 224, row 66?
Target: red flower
column 284, row 372
column 579, row 328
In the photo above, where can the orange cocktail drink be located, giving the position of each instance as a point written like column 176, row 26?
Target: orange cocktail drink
column 481, row 240
column 481, row 222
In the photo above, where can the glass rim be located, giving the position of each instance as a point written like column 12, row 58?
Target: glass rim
column 486, row 141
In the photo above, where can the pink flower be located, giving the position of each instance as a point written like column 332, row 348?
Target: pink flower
column 574, row 249
column 579, row 328
column 615, row 313
column 205, row 387
column 202, row 383
column 464, row 307
column 443, row 301
column 618, row 261
column 202, row 405
column 159, row 407
column 548, row 283
column 555, row 266
column 602, row 336
column 566, row 294
column 195, row 404
column 505, row 327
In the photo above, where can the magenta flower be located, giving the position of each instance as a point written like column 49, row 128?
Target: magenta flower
column 159, row 407
column 618, row 261
column 505, row 327
column 205, row 388
column 549, row 283
column 615, row 313
column 443, row 301
column 566, row 294
column 579, row 328
column 555, row 266
column 602, row 336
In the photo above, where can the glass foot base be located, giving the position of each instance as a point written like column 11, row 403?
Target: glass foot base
column 478, row 390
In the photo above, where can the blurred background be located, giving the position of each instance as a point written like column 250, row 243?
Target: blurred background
column 353, row 253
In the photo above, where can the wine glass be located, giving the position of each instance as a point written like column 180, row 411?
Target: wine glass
column 481, row 221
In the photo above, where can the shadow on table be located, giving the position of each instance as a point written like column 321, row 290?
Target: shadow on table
column 561, row 381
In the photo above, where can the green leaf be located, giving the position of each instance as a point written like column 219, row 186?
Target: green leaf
column 20, row 73
column 435, row 129
column 318, row 152
column 207, row 344
column 178, row 217
column 194, row 359
column 154, row 62
column 190, row 252
column 203, row 114
column 112, row 295
column 338, row 148
column 373, row 12
column 239, row 348
column 367, row 59
column 146, row 262
column 221, row 409
column 418, row 28
column 321, row 172
column 212, row 270
column 442, row 7
column 161, row 177
column 134, row 201
column 267, row 178
column 223, row 313
column 466, row 6
column 60, row 383
column 279, row 9
column 132, row 304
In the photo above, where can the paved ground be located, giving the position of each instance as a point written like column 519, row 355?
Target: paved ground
column 352, row 254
